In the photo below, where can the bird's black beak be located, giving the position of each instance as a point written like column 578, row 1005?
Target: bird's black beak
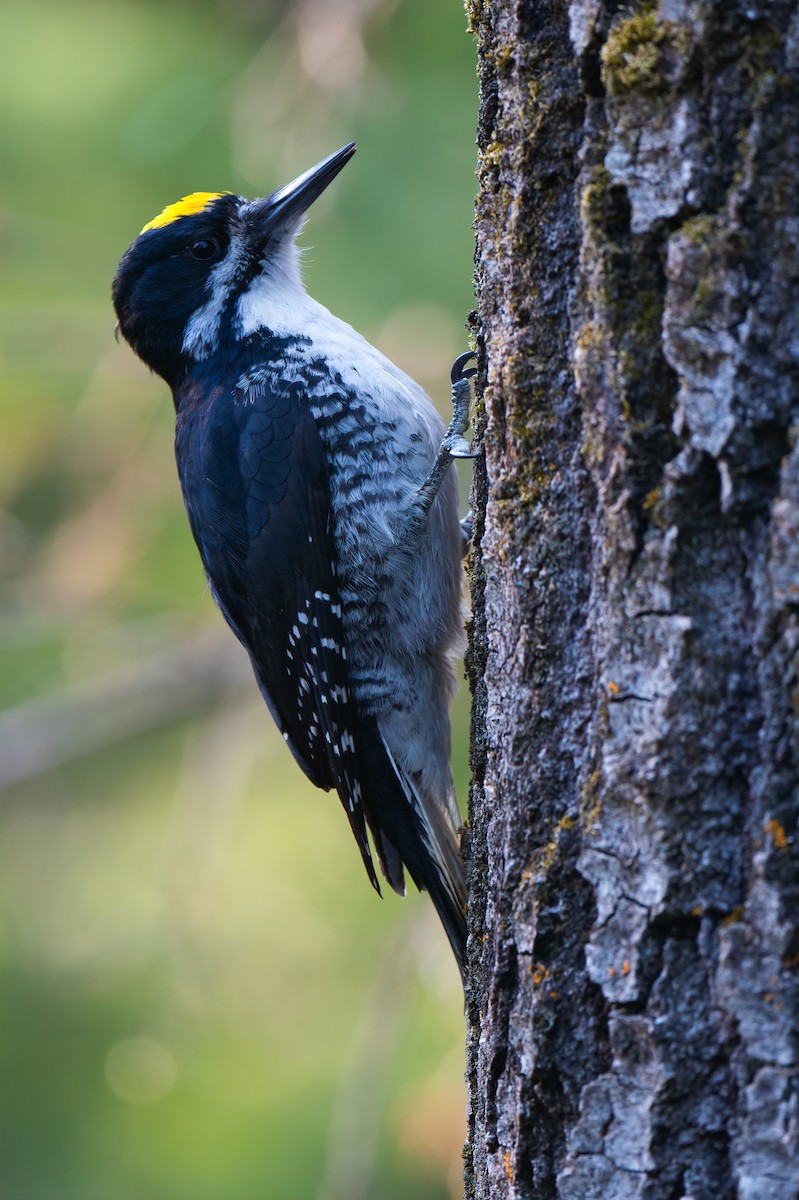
column 285, row 206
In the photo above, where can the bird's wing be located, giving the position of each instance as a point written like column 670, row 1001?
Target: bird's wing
column 255, row 483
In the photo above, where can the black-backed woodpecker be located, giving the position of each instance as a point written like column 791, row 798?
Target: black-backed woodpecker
column 317, row 480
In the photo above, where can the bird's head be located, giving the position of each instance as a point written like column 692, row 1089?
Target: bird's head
column 182, row 288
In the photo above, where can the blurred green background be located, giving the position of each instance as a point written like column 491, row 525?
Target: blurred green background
column 200, row 996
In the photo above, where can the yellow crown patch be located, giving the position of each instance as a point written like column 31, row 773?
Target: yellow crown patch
column 186, row 207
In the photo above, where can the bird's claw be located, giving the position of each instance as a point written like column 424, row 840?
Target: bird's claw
column 457, row 373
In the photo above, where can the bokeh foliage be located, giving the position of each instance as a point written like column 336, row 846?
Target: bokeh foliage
column 200, row 997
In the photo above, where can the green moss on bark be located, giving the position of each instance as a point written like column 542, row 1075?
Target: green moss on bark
column 641, row 53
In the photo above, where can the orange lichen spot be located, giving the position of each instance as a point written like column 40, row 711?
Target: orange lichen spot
column 508, row 1167
column 553, row 995
column 793, row 587
column 769, row 997
column 613, row 688
column 732, row 918
column 539, row 973
column 187, row 206
column 611, row 971
column 776, row 830
column 696, row 911
column 625, row 967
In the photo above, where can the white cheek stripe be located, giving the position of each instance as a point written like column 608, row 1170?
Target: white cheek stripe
column 202, row 329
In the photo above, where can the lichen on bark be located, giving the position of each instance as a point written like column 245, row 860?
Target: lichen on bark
column 634, row 649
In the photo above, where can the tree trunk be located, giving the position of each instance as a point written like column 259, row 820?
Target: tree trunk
column 635, row 643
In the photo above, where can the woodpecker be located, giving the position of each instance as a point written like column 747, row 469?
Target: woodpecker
column 318, row 484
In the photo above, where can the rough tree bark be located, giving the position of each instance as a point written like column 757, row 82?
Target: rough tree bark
column 635, row 645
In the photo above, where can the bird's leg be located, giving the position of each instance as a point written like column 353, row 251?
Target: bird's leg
column 453, row 446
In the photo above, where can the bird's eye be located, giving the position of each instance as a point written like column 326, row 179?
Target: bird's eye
column 204, row 249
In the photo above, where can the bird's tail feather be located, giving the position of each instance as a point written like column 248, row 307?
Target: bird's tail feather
column 409, row 828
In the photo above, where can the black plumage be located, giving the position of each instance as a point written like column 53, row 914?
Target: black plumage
column 254, row 476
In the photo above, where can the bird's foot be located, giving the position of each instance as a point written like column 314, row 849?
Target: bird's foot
column 467, row 529
column 454, row 445
column 454, row 441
